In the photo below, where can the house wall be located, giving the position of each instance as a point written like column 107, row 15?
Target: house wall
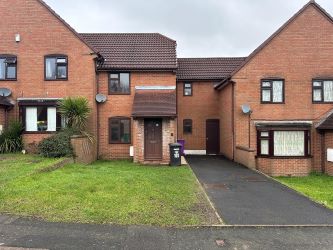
column 301, row 52
column 2, row 118
column 41, row 34
column 202, row 105
column 169, row 135
column 328, row 144
column 226, row 121
column 121, row 105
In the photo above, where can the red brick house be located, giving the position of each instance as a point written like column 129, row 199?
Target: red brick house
column 271, row 110
column 287, row 83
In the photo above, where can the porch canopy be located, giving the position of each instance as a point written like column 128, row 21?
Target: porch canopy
column 154, row 102
column 6, row 102
column 326, row 123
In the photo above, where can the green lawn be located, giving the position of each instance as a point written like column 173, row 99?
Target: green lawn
column 119, row 192
column 318, row 187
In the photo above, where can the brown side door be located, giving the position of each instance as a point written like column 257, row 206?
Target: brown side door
column 213, row 136
column 153, row 139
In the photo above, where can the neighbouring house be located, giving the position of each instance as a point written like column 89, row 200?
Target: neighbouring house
column 270, row 111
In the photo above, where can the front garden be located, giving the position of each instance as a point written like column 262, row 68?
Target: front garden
column 119, row 192
column 318, row 187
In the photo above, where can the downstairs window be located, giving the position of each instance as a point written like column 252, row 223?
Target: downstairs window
column 284, row 143
column 41, row 119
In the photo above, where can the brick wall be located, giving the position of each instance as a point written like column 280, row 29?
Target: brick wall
column 169, row 135
column 2, row 118
column 121, row 105
column 298, row 54
column 199, row 107
column 285, row 167
column 41, row 34
column 328, row 145
column 226, row 123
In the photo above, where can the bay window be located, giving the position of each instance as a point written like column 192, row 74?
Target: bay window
column 272, row 91
column 322, row 91
column 284, row 143
column 41, row 119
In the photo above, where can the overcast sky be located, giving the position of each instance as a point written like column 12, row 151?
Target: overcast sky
column 202, row 28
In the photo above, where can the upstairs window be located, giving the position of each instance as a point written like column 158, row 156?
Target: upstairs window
column 322, row 91
column 187, row 89
column 8, row 65
column 119, row 84
column 56, row 67
column 187, row 126
column 120, row 130
column 272, row 91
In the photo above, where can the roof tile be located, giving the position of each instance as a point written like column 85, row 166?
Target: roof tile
column 216, row 68
column 134, row 51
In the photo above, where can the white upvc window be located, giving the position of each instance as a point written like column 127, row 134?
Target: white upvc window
column 322, row 90
column 284, row 143
column 272, row 91
column 41, row 119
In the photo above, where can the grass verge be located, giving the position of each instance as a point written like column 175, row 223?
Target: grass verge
column 318, row 187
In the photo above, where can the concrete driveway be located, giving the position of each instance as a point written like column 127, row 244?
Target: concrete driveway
column 244, row 197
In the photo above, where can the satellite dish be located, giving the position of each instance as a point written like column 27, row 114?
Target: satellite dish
column 100, row 98
column 246, row 109
column 5, row 92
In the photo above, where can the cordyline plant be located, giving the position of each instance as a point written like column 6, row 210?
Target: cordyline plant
column 76, row 113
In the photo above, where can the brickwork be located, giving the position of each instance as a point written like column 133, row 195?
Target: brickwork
column 226, row 122
column 298, row 65
column 2, row 118
column 199, row 107
column 285, row 167
column 169, row 135
column 121, row 105
column 42, row 34
column 328, row 145
column 245, row 157
column 30, row 141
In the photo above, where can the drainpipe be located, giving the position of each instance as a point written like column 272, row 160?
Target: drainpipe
column 97, row 118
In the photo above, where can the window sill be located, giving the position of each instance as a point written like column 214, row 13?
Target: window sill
column 39, row 132
column 119, row 94
column 284, row 157
column 56, row 80
column 120, row 143
column 8, row 80
column 322, row 102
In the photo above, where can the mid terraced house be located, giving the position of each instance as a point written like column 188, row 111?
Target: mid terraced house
column 271, row 110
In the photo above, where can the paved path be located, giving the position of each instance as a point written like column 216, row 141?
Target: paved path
column 37, row 234
column 244, row 197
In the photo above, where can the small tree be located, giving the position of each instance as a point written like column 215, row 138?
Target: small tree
column 76, row 112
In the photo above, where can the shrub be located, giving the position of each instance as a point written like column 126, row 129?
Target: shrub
column 58, row 145
column 76, row 112
column 11, row 138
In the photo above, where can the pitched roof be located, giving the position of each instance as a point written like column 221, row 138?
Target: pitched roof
column 154, row 103
column 275, row 34
column 5, row 102
column 135, row 51
column 66, row 25
column 216, row 68
column 326, row 123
